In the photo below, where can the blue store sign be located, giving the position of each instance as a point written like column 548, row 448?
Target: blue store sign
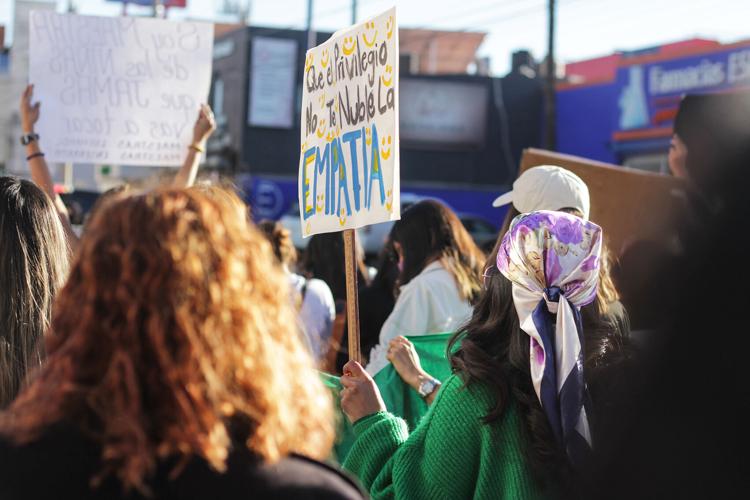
column 648, row 94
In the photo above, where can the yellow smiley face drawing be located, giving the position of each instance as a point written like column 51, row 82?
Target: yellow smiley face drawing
column 331, row 135
column 323, row 100
column 321, row 129
column 304, row 146
column 319, row 204
column 388, row 73
column 324, row 58
column 389, row 201
column 368, row 136
column 370, row 26
column 385, row 153
column 342, row 217
column 349, row 45
column 389, row 25
column 309, row 61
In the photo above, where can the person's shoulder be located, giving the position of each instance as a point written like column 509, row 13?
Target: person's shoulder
column 319, row 287
column 297, row 476
column 58, row 463
column 473, row 398
column 432, row 276
column 435, row 278
column 296, row 281
column 318, row 294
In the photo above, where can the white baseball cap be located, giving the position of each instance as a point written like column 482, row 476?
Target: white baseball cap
column 547, row 187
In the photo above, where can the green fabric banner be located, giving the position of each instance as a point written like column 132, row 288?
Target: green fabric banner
column 399, row 398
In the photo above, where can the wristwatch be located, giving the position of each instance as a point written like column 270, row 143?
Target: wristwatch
column 428, row 386
column 27, row 139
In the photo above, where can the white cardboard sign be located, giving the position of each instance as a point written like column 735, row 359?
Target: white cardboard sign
column 118, row 90
column 349, row 163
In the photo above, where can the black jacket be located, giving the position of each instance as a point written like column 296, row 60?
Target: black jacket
column 62, row 462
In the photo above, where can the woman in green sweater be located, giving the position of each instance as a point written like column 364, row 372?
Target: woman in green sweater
column 510, row 422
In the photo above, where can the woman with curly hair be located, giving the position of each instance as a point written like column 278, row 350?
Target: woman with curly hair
column 163, row 370
column 34, row 262
column 511, row 421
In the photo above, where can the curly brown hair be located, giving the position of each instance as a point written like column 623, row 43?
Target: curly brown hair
column 175, row 324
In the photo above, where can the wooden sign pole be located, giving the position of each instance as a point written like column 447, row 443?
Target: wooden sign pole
column 352, row 296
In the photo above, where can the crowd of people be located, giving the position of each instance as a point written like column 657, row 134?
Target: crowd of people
column 175, row 349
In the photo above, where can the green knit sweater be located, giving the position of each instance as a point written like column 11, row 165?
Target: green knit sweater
column 451, row 454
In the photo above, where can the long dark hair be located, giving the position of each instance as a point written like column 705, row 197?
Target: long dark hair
column 492, row 349
column 324, row 259
column 33, row 265
column 430, row 231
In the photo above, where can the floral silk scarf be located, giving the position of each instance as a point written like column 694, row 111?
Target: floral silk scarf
column 552, row 261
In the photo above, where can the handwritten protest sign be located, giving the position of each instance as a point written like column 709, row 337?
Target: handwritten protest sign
column 118, row 90
column 349, row 164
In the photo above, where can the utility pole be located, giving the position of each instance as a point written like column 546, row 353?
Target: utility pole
column 310, row 32
column 549, row 104
column 354, row 12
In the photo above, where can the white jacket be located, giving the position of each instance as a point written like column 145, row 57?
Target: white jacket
column 429, row 303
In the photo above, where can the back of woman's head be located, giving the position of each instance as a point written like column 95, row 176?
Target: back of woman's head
column 174, row 324
column 607, row 292
column 429, row 230
column 33, row 266
column 324, row 259
column 281, row 242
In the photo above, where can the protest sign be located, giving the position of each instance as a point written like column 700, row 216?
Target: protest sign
column 349, row 163
column 630, row 205
column 118, row 90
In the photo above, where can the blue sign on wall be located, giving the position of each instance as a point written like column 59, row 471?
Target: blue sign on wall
column 647, row 92
column 591, row 119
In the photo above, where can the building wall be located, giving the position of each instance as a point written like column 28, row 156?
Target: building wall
column 12, row 84
column 586, row 118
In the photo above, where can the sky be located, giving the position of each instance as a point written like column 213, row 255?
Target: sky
column 585, row 28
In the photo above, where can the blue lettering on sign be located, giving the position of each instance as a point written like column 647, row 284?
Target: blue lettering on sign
column 335, row 169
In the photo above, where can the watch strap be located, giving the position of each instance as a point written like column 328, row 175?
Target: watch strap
column 29, row 138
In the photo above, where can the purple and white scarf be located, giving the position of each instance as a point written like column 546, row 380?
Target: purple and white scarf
column 552, row 260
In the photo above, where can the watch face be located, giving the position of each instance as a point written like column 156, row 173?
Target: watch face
column 27, row 138
column 427, row 387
